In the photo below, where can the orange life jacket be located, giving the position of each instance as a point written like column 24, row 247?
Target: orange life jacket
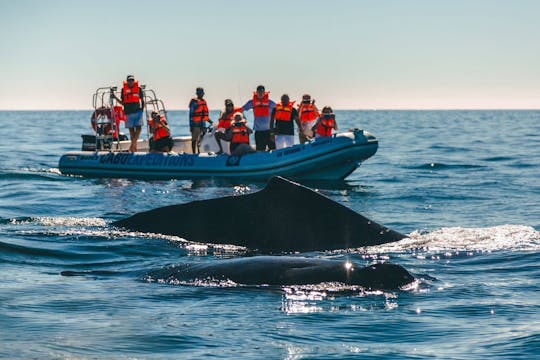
column 131, row 95
column 240, row 135
column 225, row 120
column 307, row 112
column 159, row 129
column 284, row 113
column 202, row 112
column 261, row 107
column 325, row 126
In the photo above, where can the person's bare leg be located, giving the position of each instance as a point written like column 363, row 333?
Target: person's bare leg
column 134, row 133
column 137, row 134
column 195, row 139
column 218, row 136
column 131, row 137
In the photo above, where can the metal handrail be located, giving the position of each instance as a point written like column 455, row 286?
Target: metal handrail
column 103, row 98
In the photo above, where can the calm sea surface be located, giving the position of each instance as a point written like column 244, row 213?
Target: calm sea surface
column 464, row 184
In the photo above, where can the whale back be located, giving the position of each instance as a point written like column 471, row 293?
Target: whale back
column 286, row 270
column 283, row 217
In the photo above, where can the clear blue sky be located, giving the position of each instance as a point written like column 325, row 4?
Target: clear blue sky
column 349, row 54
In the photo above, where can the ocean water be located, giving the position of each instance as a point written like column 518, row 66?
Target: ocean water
column 465, row 185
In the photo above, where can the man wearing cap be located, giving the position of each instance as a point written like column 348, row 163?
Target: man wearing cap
column 132, row 98
column 198, row 114
column 262, row 108
column 308, row 113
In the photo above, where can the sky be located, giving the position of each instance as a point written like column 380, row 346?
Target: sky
column 349, row 54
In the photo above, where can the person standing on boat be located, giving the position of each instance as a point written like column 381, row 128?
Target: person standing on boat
column 161, row 140
column 198, row 115
column 132, row 98
column 325, row 123
column 262, row 107
column 308, row 113
column 238, row 133
column 283, row 117
column 225, row 123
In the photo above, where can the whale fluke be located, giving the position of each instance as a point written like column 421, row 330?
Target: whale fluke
column 283, row 217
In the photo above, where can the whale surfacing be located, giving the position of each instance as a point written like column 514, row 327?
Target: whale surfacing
column 283, row 217
column 287, row 270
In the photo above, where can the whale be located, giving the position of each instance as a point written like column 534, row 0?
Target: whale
column 284, row 217
column 285, row 270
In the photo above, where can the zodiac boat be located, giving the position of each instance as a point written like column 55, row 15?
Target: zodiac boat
column 105, row 154
column 331, row 158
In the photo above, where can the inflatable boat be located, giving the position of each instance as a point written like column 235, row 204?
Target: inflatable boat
column 105, row 152
column 330, row 158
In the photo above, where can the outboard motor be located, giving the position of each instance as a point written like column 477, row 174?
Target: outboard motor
column 88, row 142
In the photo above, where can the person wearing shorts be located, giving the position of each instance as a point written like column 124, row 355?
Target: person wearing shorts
column 132, row 98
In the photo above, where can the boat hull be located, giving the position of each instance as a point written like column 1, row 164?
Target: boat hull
column 332, row 158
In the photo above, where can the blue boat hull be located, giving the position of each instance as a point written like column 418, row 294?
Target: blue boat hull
column 332, row 158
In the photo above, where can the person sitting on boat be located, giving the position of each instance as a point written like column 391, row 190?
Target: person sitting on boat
column 262, row 107
column 225, row 123
column 308, row 113
column 161, row 140
column 238, row 133
column 132, row 98
column 198, row 115
column 325, row 123
column 283, row 117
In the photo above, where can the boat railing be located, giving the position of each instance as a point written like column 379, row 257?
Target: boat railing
column 107, row 130
column 106, row 113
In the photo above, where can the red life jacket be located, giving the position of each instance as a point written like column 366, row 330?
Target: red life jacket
column 325, row 126
column 261, row 107
column 284, row 113
column 202, row 112
column 159, row 129
column 240, row 135
column 225, row 120
column 119, row 115
column 307, row 112
column 131, row 95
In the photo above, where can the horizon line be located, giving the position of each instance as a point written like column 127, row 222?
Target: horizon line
column 338, row 109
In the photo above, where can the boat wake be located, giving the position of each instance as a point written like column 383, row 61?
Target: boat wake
column 49, row 174
column 488, row 239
